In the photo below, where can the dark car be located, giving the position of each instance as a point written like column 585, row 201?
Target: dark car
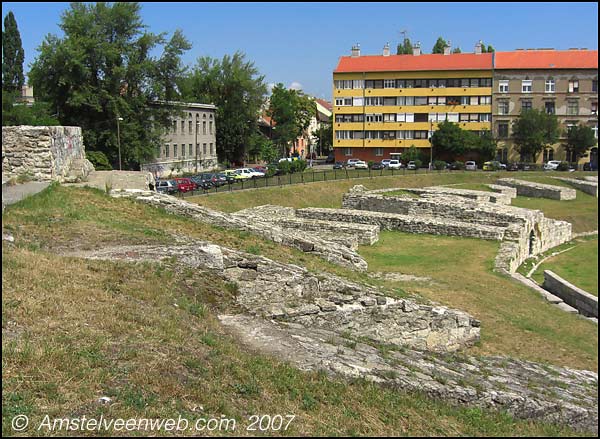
column 262, row 169
column 338, row 165
column 527, row 166
column 219, row 179
column 166, row 187
column 201, row 182
column 330, row 158
column 377, row 165
column 512, row 167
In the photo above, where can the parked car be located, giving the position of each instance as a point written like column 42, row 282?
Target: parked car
column 221, row 179
column 386, row 162
column 249, row 173
column 411, row 165
column 492, row 166
column 202, row 181
column 512, row 167
column 470, row 166
column 552, row 165
column 166, row 187
column 262, row 169
column 330, row 158
column 378, row 165
column 350, row 162
column 185, row 184
column 230, row 175
column 394, row 164
column 338, row 165
column 360, row 164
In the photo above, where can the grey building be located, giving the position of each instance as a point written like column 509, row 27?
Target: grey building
column 190, row 145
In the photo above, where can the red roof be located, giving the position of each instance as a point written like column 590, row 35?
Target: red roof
column 393, row 63
column 325, row 103
column 547, row 59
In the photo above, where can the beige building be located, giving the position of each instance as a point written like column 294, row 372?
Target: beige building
column 564, row 83
column 190, row 146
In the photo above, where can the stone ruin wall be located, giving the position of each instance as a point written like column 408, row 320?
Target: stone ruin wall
column 44, row 153
column 538, row 190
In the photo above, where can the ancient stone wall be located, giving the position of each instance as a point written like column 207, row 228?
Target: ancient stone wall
column 498, row 196
column 538, row 190
column 589, row 187
column 44, row 153
column 579, row 299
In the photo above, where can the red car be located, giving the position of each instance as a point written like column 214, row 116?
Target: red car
column 184, row 184
column 262, row 169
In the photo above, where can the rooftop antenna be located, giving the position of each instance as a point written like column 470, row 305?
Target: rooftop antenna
column 403, row 32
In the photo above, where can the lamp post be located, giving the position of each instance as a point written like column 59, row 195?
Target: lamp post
column 119, row 141
column 430, row 146
column 197, row 146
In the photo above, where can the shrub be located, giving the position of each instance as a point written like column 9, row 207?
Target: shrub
column 285, row 167
column 418, row 163
column 563, row 166
column 370, row 164
column 458, row 165
column 439, row 165
column 298, row 165
column 99, row 160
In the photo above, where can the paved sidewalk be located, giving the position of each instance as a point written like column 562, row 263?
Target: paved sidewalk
column 12, row 194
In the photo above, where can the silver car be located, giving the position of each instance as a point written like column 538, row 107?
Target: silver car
column 471, row 166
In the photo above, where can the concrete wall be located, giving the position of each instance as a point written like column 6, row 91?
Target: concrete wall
column 45, row 153
column 579, row 299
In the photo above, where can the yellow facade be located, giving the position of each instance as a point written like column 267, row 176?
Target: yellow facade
column 428, row 126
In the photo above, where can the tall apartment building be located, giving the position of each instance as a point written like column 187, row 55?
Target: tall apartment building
column 564, row 83
column 387, row 103
column 190, row 145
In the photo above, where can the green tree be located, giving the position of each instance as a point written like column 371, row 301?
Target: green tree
column 580, row 138
column 292, row 111
column 449, row 140
column 456, row 50
column 533, row 131
column 13, row 56
column 103, row 68
column 439, row 45
column 405, row 48
column 490, row 49
column 324, row 134
column 485, row 146
column 18, row 113
column 411, row 154
column 235, row 86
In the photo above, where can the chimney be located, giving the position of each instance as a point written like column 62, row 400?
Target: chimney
column 447, row 48
column 386, row 49
column 356, row 50
column 478, row 47
column 417, row 48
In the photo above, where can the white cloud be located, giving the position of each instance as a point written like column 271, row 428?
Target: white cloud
column 295, row 86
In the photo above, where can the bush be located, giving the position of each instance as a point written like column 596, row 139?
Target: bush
column 99, row 160
column 458, row 165
column 563, row 166
column 285, row 167
column 418, row 163
column 298, row 165
column 439, row 165
column 370, row 164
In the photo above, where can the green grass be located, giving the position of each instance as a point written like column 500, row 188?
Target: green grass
column 578, row 266
column 75, row 330
column 462, row 271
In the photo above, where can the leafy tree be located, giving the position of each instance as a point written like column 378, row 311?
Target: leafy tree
column 439, row 46
column 490, row 49
column 324, row 135
column 99, row 160
column 456, row 50
column 13, row 56
column 236, row 88
column 292, row 111
column 449, row 140
column 405, row 48
column 533, row 131
column 103, row 69
column 411, row 154
column 580, row 138
column 17, row 113
column 485, row 145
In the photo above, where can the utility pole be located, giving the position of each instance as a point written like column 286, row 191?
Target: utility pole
column 197, row 146
column 119, row 141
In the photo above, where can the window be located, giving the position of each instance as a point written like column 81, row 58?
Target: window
column 401, row 117
column 372, row 135
column 204, row 148
column 410, row 100
column 183, row 150
column 212, row 148
column 503, row 130
column 594, row 108
column 465, row 100
column 358, row 83
column 389, row 101
column 343, row 135
column 452, row 117
column 420, row 117
column 210, row 127
column 197, row 149
column 358, row 102
column 550, row 107
column 485, row 100
column 174, row 150
column 174, row 126
column 485, row 82
column 421, row 135
column 502, row 107
column 374, row 117
column 441, row 83
column 191, row 150
column 410, row 117
column 550, row 86
column 526, row 104
column 464, row 117
column 389, row 117
column 348, row 152
column 595, row 85
column 409, row 134
column 204, row 127
column 420, row 100
column 389, row 83
column 548, row 155
column 503, row 86
column 190, row 130
column 343, row 102
column 389, row 135
column 441, row 100
column 182, row 127
column 378, row 152
column 465, row 82
column 420, row 83
column 526, row 86
column 595, row 130
column 574, row 86
column 573, row 108
column 474, row 100
column 167, row 152
column 374, row 101
column 474, row 82
column 343, row 84
column 432, row 100
column 485, row 117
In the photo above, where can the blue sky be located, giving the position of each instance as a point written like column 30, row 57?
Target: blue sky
column 299, row 43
